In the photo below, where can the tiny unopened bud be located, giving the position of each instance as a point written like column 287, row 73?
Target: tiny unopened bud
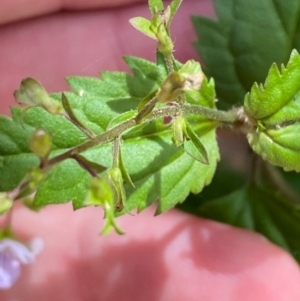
column 32, row 93
column 116, row 177
column 101, row 192
column 165, row 44
column 179, row 131
column 41, row 143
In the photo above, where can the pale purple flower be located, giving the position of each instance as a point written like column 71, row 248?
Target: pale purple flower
column 12, row 254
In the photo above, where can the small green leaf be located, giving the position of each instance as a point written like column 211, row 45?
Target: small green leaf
column 261, row 210
column 121, row 118
column 123, row 169
column 194, row 146
column 175, row 4
column 72, row 117
column 145, row 101
column 143, row 25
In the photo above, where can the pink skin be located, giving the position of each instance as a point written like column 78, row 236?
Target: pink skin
column 170, row 257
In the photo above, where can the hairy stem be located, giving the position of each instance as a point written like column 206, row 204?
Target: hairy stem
column 109, row 135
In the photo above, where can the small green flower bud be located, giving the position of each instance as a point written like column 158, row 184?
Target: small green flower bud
column 165, row 44
column 41, row 143
column 32, row 93
column 116, row 177
column 179, row 131
column 100, row 193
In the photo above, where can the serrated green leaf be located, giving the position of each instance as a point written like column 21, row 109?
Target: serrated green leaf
column 159, row 170
column 238, row 48
column 278, row 90
column 279, row 146
column 263, row 211
column 143, row 25
column 66, row 182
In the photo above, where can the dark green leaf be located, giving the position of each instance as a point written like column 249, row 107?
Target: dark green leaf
column 248, row 36
column 263, row 211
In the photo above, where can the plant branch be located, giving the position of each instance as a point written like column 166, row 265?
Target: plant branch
column 211, row 114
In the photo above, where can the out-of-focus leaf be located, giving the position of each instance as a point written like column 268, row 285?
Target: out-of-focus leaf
column 261, row 210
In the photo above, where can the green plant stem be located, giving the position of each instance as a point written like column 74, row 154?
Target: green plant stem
column 211, row 114
column 169, row 62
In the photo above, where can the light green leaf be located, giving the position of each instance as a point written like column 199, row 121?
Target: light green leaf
column 159, row 170
column 143, row 25
column 174, row 6
column 66, row 182
column 238, row 48
column 279, row 146
column 122, row 118
column 261, row 210
column 279, row 89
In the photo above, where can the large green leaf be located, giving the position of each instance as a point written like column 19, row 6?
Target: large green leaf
column 278, row 92
column 257, row 209
column 274, row 107
column 248, row 36
column 159, row 170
